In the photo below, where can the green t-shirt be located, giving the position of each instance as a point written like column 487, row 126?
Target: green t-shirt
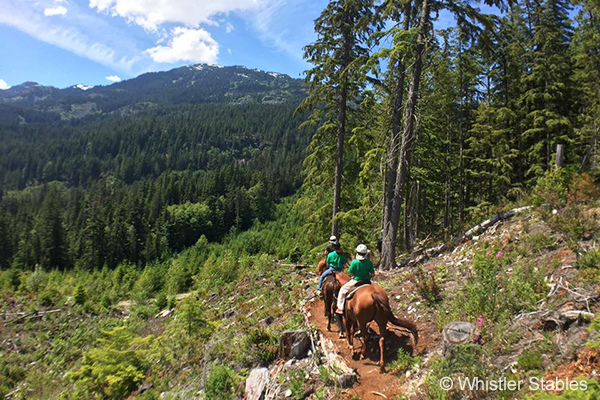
column 336, row 261
column 361, row 270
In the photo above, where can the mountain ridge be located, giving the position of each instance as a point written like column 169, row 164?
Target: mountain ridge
column 192, row 84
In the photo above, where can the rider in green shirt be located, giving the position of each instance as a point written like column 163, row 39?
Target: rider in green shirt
column 335, row 261
column 361, row 269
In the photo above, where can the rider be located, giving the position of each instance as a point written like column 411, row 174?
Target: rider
column 361, row 269
column 335, row 261
column 332, row 240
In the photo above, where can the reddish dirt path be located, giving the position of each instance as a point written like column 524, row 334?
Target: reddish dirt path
column 369, row 378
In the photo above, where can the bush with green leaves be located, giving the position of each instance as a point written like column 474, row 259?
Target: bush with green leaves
column 10, row 373
column 161, row 300
column 530, row 360
column 403, row 362
column 492, row 290
column 551, row 188
column 218, row 270
column 260, row 347
column 589, row 260
column 191, row 316
column 115, row 368
column 221, row 383
column 591, row 393
column 49, row 297
column 80, row 295
column 179, row 277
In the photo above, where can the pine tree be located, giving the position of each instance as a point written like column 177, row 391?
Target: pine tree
column 334, row 83
column 586, row 58
column 547, row 86
column 51, row 233
column 5, row 242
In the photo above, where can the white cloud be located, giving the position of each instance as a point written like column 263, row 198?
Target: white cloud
column 60, row 10
column 229, row 27
column 195, row 45
column 113, row 78
column 4, row 85
column 229, row 51
column 151, row 13
column 102, row 44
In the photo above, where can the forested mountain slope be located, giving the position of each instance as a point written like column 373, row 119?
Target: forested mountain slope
column 157, row 162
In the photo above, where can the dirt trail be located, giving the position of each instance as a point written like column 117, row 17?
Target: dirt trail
column 370, row 380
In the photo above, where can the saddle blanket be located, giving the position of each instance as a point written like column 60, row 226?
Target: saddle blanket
column 359, row 284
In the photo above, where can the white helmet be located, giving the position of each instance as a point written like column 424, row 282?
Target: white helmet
column 332, row 239
column 361, row 252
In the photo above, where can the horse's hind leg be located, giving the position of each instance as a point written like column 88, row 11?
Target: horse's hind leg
column 340, row 323
column 349, row 334
column 362, row 325
column 383, row 333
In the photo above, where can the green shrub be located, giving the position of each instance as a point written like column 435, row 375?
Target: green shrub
column 297, row 381
column 34, row 281
column 403, row 362
column 295, row 254
column 113, row 369
column 428, row 287
column 574, row 224
column 80, row 295
column 191, row 316
column 179, row 277
column 143, row 312
column 589, row 260
column 530, row 360
column 49, row 297
column 491, row 291
column 218, row 271
column 220, row 384
column 171, row 302
column 538, row 241
column 551, row 188
column 260, row 346
column 10, row 373
column 13, row 278
column 161, row 300
column 591, row 393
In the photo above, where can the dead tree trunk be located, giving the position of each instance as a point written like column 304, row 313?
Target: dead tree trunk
column 390, row 233
column 341, row 136
column 392, row 160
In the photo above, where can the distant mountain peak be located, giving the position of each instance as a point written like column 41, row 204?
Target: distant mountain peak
column 192, row 84
column 82, row 87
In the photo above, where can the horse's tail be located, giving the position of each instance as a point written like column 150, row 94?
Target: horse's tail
column 383, row 304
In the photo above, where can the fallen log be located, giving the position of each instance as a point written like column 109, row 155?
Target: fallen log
column 421, row 256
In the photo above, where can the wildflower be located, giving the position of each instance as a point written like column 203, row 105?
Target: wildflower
column 499, row 254
column 489, row 253
column 480, row 321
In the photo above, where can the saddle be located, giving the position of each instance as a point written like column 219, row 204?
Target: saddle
column 359, row 284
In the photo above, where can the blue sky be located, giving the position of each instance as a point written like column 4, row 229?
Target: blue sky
column 96, row 42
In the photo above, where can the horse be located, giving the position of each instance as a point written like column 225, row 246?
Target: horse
column 322, row 266
column 371, row 303
column 331, row 289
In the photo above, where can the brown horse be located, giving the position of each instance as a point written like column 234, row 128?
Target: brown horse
column 322, row 266
column 331, row 289
column 371, row 303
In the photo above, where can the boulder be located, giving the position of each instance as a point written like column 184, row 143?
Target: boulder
column 346, row 381
column 256, row 383
column 294, row 344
